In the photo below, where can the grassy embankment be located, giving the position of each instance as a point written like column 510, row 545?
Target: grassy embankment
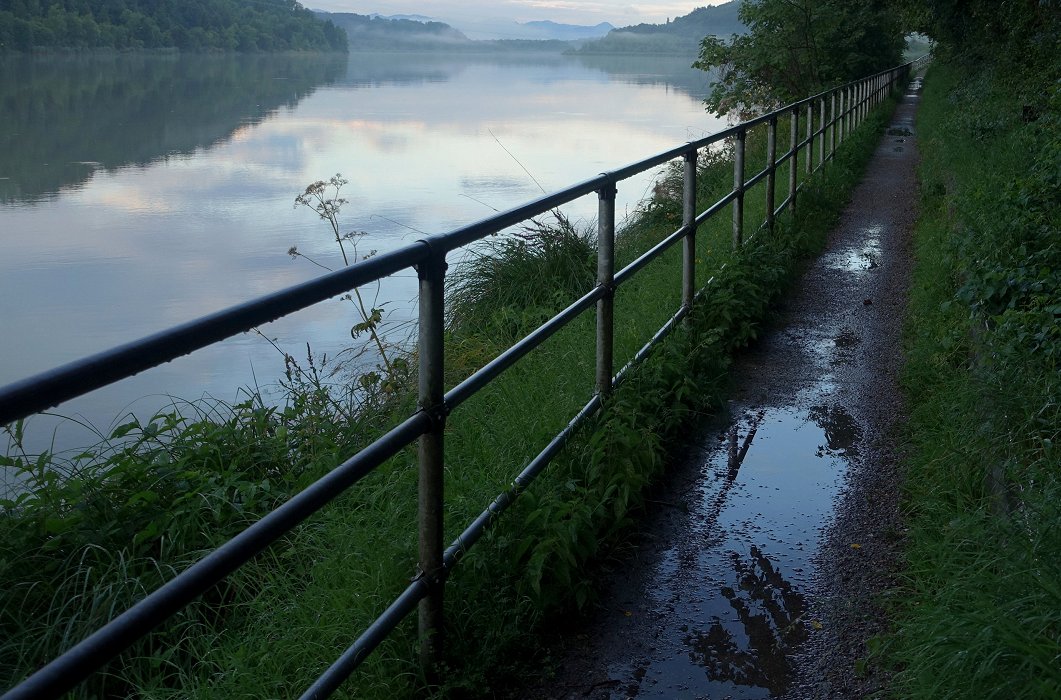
column 980, row 610
column 100, row 528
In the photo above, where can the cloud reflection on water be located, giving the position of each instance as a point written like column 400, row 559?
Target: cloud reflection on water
column 190, row 208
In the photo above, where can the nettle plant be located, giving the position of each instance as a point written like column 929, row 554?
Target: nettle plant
column 323, row 197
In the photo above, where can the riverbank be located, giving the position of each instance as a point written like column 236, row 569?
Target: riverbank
column 311, row 594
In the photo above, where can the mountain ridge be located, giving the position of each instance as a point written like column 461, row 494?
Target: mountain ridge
column 682, row 35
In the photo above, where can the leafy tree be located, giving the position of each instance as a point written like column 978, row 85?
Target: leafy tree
column 263, row 25
column 1024, row 32
column 796, row 48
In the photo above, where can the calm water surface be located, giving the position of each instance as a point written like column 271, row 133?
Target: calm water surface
column 138, row 192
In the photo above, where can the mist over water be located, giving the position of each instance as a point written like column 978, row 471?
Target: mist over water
column 138, row 192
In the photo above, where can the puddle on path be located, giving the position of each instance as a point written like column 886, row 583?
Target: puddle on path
column 861, row 258
column 729, row 596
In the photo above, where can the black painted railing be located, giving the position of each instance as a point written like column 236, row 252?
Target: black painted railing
column 817, row 125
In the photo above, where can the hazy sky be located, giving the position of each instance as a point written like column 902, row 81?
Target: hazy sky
column 618, row 12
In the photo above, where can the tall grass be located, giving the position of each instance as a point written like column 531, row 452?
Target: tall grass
column 980, row 610
column 279, row 622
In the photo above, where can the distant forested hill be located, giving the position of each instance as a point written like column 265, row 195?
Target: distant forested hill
column 375, row 33
column 228, row 25
column 382, row 33
column 680, row 35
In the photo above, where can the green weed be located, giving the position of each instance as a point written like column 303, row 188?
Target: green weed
column 980, row 610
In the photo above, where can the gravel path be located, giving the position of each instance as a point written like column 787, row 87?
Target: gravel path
column 756, row 570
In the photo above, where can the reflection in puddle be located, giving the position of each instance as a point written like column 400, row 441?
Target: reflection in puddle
column 842, row 432
column 861, row 258
column 771, row 611
column 731, row 593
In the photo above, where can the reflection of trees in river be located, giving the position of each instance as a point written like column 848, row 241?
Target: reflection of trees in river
column 769, row 610
column 371, row 69
column 63, row 117
column 675, row 71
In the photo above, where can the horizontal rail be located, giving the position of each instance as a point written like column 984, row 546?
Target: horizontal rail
column 48, row 389
column 648, row 256
column 74, row 666
column 463, row 391
column 51, row 388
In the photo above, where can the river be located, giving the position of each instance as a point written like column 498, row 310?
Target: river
column 142, row 191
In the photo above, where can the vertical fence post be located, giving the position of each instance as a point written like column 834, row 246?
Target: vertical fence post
column 821, row 133
column 851, row 109
column 689, row 223
column 832, row 125
column 771, row 171
column 605, row 279
column 793, row 162
column 738, row 187
column 810, row 137
column 843, row 114
column 431, row 455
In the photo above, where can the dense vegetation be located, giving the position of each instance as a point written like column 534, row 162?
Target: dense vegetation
column 190, row 25
column 798, row 48
column 681, row 35
column 99, row 527
column 980, row 612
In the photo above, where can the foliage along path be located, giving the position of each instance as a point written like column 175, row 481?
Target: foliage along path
column 755, row 574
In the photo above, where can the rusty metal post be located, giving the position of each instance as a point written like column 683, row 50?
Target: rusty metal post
column 689, row 223
column 431, row 460
column 793, row 164
column 808, row 166
column 605, row 279
column 771, row 171
column 738, row 188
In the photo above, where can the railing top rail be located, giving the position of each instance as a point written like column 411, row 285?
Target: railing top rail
column 47, row 389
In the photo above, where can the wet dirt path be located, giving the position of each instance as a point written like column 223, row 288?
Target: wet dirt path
column 755, row 572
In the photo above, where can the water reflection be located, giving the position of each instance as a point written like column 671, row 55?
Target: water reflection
column 673, row 71
column 734, row 588
column 842, row 432
column 62, row 118
column 770, row 611
column 168, row 183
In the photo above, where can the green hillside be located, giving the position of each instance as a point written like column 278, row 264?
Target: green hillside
column 382, row 34
column 191, row 25
column 680, row 35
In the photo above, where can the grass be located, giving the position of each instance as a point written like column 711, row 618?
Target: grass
column 980, row 610
column 154, row 496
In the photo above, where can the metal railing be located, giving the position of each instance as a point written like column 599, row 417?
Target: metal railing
column 845, row 106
